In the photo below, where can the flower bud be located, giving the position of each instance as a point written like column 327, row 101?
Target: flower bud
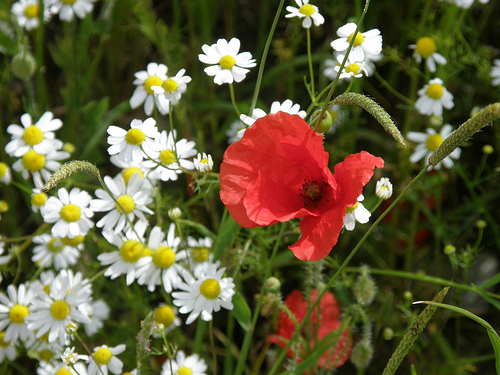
column 364, row 287
column 488, row 149
column 361, row 354
column 23, row 65
column 4, row 206
column 388, row 333
column 481, row 224
column 273, row 285
column 383, row 189
column 324, row 124
column 449, row 249
column 174, row 213
column 408, row 296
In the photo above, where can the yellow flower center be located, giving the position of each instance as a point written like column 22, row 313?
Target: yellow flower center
column 39, row 199
column 128, row 172
column 73, row 242
column 131, row 251
column 359, row 39
column 425, row 47
column 170, row 85
column 32, row 135
column 53, row 248
column 3, row 169
column 184, row 371
column 167, row 157
column 17, row 313
column 210, row 289
column 4, row 206
column 69, row 2
column 102, row 356
column 152, row 81
column 3, row 344
column 147, row 252
column 433, row 142
column 59, row 310
column 307, row 10
column 46, row 289
column 165, row 315
column 135, row 137
column 200, row 254
column 46, row 355
column 127, row 203
column 63, row 371
column 70, row 213
column 32, row 11
column 164, row 257
column 33, row 161
column 352, row 68
column 352, row 208
column 435, row 91
column 227, row 62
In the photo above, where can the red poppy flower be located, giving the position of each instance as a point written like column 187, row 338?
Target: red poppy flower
column 279, row 171
column 320, row 327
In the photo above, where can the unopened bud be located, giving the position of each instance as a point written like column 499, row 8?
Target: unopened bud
column 488, row 149
column 388, row 333
column 481, row 224
column 4, row 206
column 449, row 249
column 23, row 65
column 361, row 354
column 364, row 287
column 174, row 213
column 324, row 124
column 408, row 296
column 273, row 285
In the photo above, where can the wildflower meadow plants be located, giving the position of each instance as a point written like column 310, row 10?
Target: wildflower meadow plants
column 219, row 187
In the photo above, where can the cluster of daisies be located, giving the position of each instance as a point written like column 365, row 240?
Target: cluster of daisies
column 28, row 12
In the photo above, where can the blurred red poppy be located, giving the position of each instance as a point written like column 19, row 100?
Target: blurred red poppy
column 279, row 171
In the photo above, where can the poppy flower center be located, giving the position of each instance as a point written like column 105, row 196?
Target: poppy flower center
column 135, row 137
column 59, row 309
column 433, row 142
column 210, row 289
column 17, row 314
column 152, row 81
column 169, row 85
column 131, row 251
column 425, row 47
column 33, row 161
column 307, row 10
column 32, row 135
column 435, row 91
column 227, row 62
column 165, row 315
column 102, row 356
column 312, row 192
column 32, row 11
column 359, row 39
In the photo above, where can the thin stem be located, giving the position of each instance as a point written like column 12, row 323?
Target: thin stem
column 309, row 59
column 212, row 344
column 233, row 100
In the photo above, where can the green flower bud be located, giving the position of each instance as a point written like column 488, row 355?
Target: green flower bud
column 361, row 354
column 324, row 124
column 388, row 333
column 408, row 296
column 488, row 149
column 23, row 65
column 449, row 249
column 174, row 213
column 364, row 287
column 481, row 224
column 273, row 285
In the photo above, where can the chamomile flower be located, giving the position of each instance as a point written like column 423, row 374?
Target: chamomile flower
column 365, row 47
column 433, row 97
column 133, row 198
column 60, row 252
column 426, row 48
column 172, row 157
column 162, row 266
column 167, row 315
column 193, row 365
column 172, row 88
column 52, row 313
column 227, row 64
column 60, row 368
column 38, row 199
column 5, row 173
column 70, row 357
column 154, row 75
column 495, row 73
column 130, row 254
column 27, row 11
column 67, row 9
column 7, row 349
column 104, row 358
column 203, row 163
column 287, row 106
column 383, row 190
column 200, row 255
column 204, row 295
column 428, row 142
column 236, row 131
column 309, row 12
column 14, row 308
column 352, row 69
column 70, row 213
column 39, row 137
column 130, row 145
column 39, row 166
column 358, row 213
column 100, row 312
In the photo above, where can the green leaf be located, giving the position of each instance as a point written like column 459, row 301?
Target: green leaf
column 241, row 311
column 8, row 44
column 203, row 230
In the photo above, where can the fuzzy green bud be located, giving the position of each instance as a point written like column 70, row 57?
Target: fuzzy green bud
column 449, row 249
column 361, row 354
column 23, row 65
column 273, row 285
column 324, row 124
column 481, row 224
column 364, row 287
column 488, row 149
column 388, row 333
column 408, row 296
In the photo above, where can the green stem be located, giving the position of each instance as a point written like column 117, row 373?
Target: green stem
column 233, row 100
column 309, row 59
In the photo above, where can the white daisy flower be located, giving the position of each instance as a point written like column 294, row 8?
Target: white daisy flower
column 358, row 213
column 154, row 75
column 428, row 143
column 5, row 173
column 172, row 158
column 57, row 368
column 67, row 9
column 200, row 255
column 365, row 47
column 204, row 295
column 52, row 313
column 27, row 11
column 167, row 315
column 104, row 358
column 495, row 73
column 130, row 168
column 433, row 97
column 309, row 12
column 14, row 308
column 70, row 357
column 100, row 312
column 162, row 266
column 38, row 199
column 70, row 213
column 352, row 69
column 236, row 130
column 466, row 4
column 426, row 48
column 383, row 190
column 60, row 252
column 203, row 163
column 39, row 137
column 287, row 106
column 172, row 88
column 193, row 365
column 133, row 198
column 7, row 349
column 227, row 65
column 131, row 145
column 130, row 254
column 39, row 166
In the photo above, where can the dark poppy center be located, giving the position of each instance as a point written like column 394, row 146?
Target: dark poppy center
column 312, row 192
